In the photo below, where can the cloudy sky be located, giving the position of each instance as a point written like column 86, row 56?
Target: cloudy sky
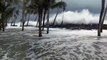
column 93, row 5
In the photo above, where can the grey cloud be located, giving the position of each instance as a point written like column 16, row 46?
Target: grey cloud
column 93, row 5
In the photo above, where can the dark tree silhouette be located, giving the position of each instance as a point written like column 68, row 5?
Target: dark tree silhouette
column 101, row 19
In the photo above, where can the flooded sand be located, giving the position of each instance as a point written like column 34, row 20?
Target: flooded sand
column 59, row 44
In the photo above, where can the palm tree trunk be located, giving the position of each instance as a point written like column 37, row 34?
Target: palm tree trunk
column 37, row 21
column 62, row 17
column 102, row 11
column 44, row 19
column 62, row 23
column 0, row 27
column 22, row 26
column 13, row 23
column 55, row 17
column 101, row 22
column 3, row 22
column 48, row 21
column 23, row 21
column 40, row 22
column 100, row 19
column 0, row 24
column 28, row 20
column 36, row 18
column 3, row 26
column 101, row 15
column 23, row 15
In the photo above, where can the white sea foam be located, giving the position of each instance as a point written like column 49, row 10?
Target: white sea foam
column 82, row 17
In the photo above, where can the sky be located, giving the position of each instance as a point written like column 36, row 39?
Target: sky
column 93, row 5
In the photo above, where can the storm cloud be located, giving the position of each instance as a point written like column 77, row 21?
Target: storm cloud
column 92, row 5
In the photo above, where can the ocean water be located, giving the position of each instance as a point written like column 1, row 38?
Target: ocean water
column 59, row 44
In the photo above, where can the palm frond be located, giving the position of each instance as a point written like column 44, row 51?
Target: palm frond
column 59, row 5
column 2, row 7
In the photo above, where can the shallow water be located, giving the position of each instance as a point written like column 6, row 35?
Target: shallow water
column 60, row 44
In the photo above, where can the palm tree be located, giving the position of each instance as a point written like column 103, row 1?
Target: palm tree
column 44, row 16
column 62, row 17
column 23, row 15
column 38, row 5
column 48, row 21
column 1, row 9
column 101, row 16
column 28, row 20
column 55, row 17
column 28, row 13
column 6, row 12
column 25, row 4
column 43, row 7
column 50, row 5
column 14, row 20
column 59, row 5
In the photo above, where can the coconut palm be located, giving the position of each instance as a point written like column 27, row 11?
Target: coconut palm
column 53, row 4
column 7, row 10
column 38, row 5
column 27, row 12
column 44, row 16
column 28, row 20
column 101, row 16
column 58, row 5
column 16, row 5
column 1, row 9
column 61, row 5
column 23, row 15
column 43, row 7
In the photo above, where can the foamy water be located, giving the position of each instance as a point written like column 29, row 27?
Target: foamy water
column 59, row 44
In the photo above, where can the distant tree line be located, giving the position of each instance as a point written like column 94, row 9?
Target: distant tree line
column 75, row 26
